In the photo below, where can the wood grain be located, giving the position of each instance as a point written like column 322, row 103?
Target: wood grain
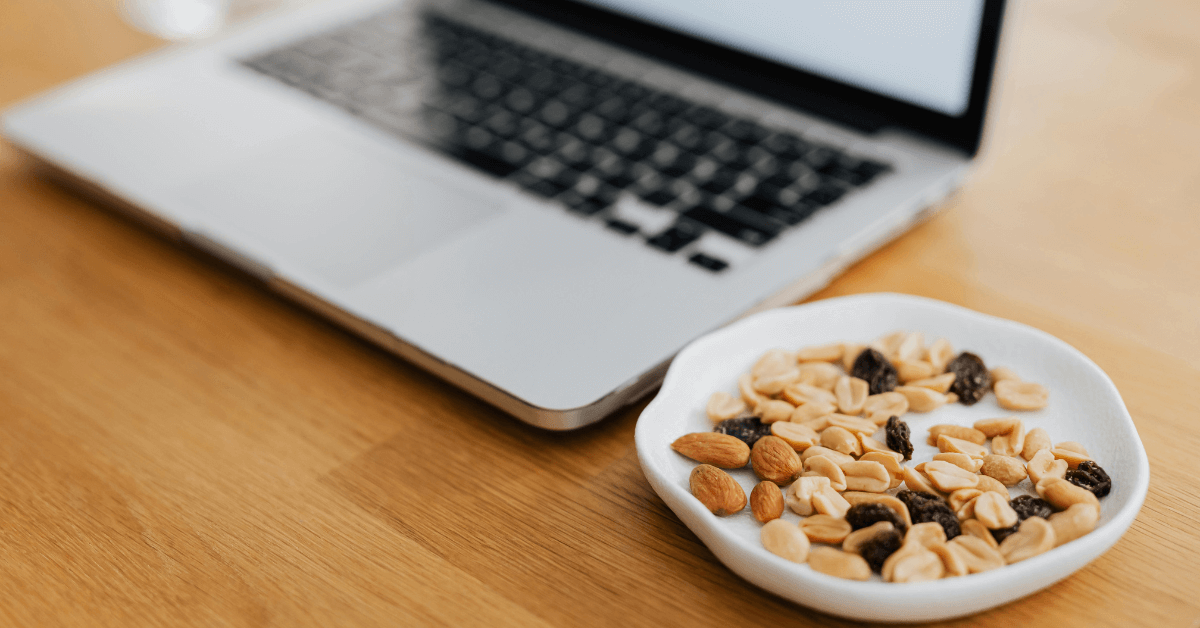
column 179, row 447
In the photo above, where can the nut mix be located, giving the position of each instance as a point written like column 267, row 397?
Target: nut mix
column 821, row 429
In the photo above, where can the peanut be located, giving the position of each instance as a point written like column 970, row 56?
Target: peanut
column 825, row 529
column 889, row 403
column 890, row 461
column 872, row 446
column 1012, row 394
column 773, row 383
column 1010, row 443
column 922, row 399
column 871, row 477
column 834, row 562
column 993, row 511
column 850, row 353
column 1073, row 458
column 828, row 502
column 854, row 540
column 1005, row 469
column 946, row 477
column 890, row 344
column 773, row 361
column 852, row 423
column 962, row 461
column 960, row 432
column 913, row 370
column 717, row 490
column 811, row 412
column 974, row 528
column 819, row 374
column 851, row 394
column 939, row 354
column 952, row 563
column 825, row 467
column 919, row 565
column 1044, row 465
column 836, row 456
column 914, row 481
column 1074, row 522
column 1036, row 440
column 800, row 394
column 961, row 497
column 799, row 494
column 823, row 353
column 785, row 540
column 996, row 427
column 1062, row 494
column 775, row 460
column 1001, row 373
column 1035, row 536
column 940, row 383
column 858, row 497
column 766, row 501
column 976, row 553
column 1071, row 445
column 746, row 389
column 841, row 440
column 911, row 346
column 989, row 483
column 772, row 410
column 949, row 444
column 723, row 406
column 799, row 436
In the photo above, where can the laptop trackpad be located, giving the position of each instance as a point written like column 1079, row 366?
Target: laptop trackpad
column 337, row 207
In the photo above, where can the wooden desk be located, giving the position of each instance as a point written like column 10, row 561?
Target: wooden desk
column 179, row 447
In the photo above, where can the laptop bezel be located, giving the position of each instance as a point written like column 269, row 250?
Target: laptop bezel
column 859, row 108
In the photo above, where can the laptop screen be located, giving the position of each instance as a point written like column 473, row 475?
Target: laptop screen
column 918, row 51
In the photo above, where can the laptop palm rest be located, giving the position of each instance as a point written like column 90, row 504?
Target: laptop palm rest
column 325, row 205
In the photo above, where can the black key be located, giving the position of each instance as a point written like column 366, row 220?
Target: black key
column 621, row 226
column 682, row 165
column 592, row 128
column 745, row 132
column 577, row 96
column 632, row 91
column 614, row 108
column 538, row 137
column 521, row 100
column 503, row 124
column 820, row 156
column 555, row 113
column 566, row 178
column 687, row 136
column 824, row 195
column 575, row 153
column 488, row 161
column 658, row 197
column 487, row 87
column 549, row 189
column 740, row 223
column 620, row 181
column 709, row 262
column 721, row 181
column 677, row 237
column 705, row 117
column 651, row 123
column 580, row 204
column 667, row 104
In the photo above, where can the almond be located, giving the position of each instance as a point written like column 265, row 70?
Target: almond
column 775, row 460
column 766, row 501
column 717, row 490
column 719, row 450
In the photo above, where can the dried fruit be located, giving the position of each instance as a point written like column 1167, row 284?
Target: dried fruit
column 785, row 540
column 872, row 367
column 775, row 460
column 924, row 507
column 766, row 501
column 863, row 515
column 898, row 437
column 1089, row 475
column 717, row 490
column 971, row 378
column 857, row 497
column 747, row 429
column 1003, row 533
column 719, row 450
column 834, row 562
column 854, row 541
column 878, row 548
column 1027, row 506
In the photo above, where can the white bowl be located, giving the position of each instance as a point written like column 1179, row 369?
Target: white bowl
column 1084, row 407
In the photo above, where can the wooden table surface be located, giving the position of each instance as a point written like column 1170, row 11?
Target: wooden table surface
column 180, row 447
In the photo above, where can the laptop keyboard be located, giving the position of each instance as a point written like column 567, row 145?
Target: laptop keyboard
column 585, row 138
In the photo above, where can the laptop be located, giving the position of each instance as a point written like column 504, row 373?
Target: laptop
column 540, row 201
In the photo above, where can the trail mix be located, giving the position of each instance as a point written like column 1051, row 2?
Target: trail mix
column 821, row 429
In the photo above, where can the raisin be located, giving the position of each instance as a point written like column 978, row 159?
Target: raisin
column 1029, row 506
column 971, row 378
column 1003, row 533
column 862, row 515
column 746, row 429
column 898, row 437
column 1089, row 475
column 923, row 507
column 877, row 549
column 873, row 368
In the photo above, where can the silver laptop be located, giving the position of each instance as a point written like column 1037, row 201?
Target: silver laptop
column 539, row 201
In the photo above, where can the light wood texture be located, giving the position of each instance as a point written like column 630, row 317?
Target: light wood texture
column 179, row 447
